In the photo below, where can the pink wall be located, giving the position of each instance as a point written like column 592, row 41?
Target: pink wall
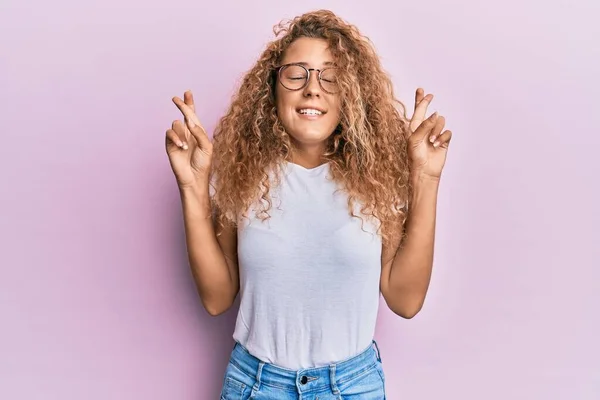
column 96, row 301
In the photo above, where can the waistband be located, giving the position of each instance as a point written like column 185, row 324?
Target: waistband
column 307, row 379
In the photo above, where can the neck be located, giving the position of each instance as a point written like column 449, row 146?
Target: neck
column 308, row 156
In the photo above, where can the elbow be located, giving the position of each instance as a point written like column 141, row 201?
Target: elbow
column 407, row 314
column 216, row 303
column 216, row 306
column 407, row 310
column 214, row 309
column 405, row 303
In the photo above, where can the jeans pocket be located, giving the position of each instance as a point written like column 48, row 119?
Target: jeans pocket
column 233, row 389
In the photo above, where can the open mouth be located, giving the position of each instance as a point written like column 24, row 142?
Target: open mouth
column 311, row 112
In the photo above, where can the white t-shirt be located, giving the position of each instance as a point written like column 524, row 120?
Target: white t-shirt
column 309, row 275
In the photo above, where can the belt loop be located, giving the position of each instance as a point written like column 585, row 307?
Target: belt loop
column 378, row 352
column 258, row 375
column 332, row 380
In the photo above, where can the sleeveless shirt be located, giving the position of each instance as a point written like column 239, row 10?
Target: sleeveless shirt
column 309, row 274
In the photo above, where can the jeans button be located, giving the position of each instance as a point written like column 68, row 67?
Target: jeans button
column 303, row 380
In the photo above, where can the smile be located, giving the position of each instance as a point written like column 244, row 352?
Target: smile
column 310, row 111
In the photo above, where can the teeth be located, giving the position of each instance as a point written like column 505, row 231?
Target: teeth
column 310, row 111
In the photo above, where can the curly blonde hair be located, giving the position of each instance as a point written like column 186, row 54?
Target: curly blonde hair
column 367, row 152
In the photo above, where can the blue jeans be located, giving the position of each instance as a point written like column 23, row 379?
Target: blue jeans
column 360, row 377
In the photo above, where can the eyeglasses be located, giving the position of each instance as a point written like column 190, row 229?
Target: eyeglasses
column 297, row 76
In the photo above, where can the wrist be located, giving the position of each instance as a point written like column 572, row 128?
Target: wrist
column 196, row 200
column 424, row 189
column 420, row 178
column 197, row 190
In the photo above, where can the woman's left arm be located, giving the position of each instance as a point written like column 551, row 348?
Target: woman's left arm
column 406, row 275
column 407, row 266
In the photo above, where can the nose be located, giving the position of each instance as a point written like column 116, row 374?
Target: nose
column 313, row 88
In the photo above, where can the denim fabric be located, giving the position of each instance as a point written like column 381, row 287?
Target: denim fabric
column 360, row 377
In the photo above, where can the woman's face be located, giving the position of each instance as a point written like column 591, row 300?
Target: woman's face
column 309, row 115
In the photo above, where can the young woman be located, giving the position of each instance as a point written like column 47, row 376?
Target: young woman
column 316, row 195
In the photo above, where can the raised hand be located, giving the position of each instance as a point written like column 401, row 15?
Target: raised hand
column 188, row 146
column 428, row 145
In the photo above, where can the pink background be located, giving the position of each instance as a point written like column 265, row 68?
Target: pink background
column 96, row 299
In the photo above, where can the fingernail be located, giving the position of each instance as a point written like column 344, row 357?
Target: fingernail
column 185, row 146
column 180, row 144
column 436, row 144
column 432, row 138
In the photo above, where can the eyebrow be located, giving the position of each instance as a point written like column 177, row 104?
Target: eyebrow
column 305, row 64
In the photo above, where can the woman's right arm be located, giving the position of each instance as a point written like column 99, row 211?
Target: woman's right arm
column 211, row 251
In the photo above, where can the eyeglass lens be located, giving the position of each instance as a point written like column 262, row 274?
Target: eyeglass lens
column 294, row 77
